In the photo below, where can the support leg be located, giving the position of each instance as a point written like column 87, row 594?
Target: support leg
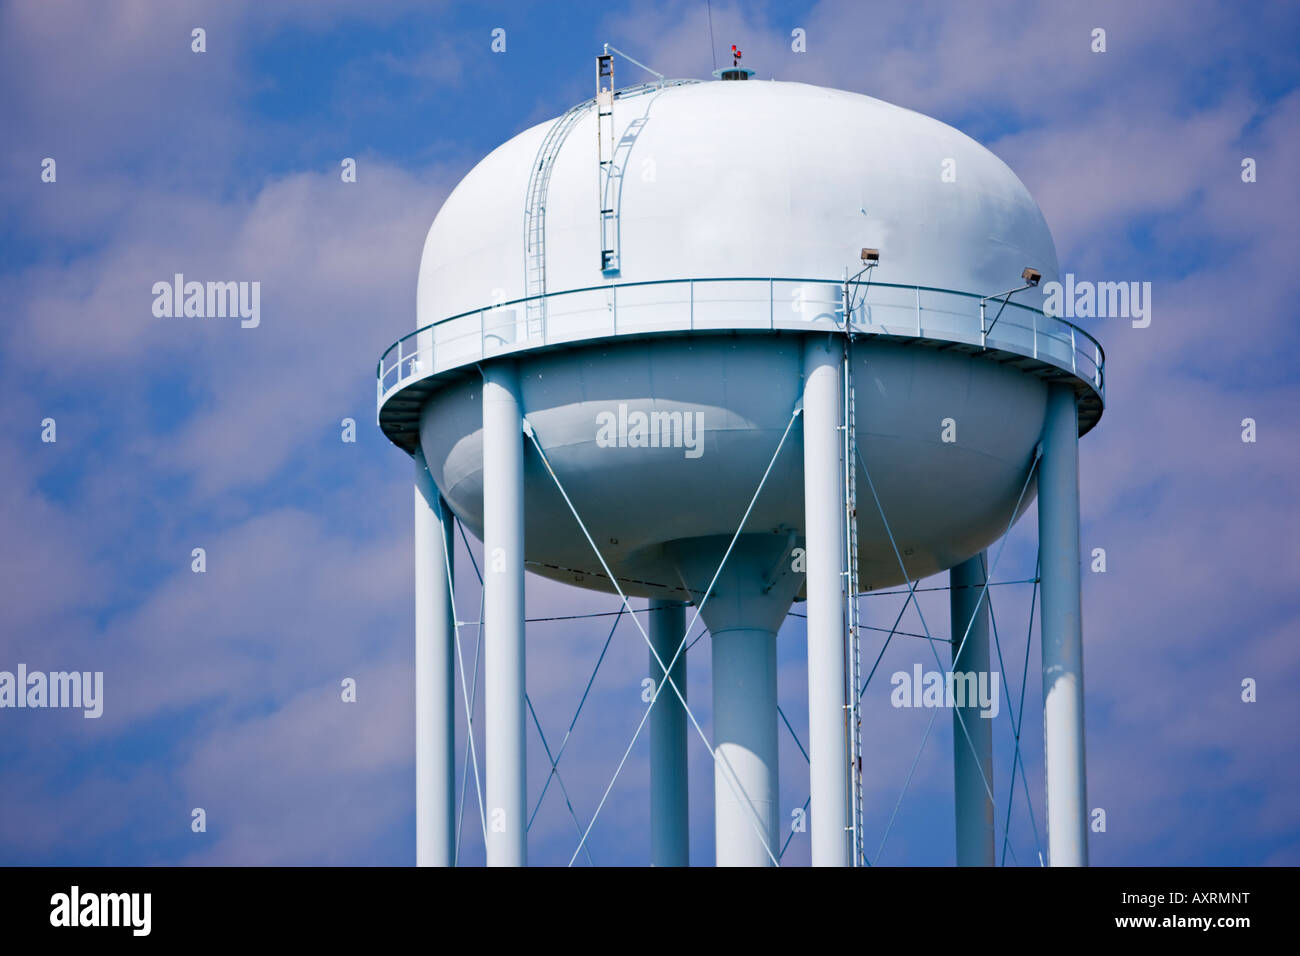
column 1062, row 631
column 827, row 717
column 972, row 756
column 503, row 579
column 435, row 723
column 669, row 795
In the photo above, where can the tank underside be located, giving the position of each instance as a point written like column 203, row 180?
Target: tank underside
column 663, row 440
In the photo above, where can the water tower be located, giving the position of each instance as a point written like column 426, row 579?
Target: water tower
column 722, row 346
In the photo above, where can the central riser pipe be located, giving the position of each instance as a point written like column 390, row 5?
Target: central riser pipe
column 744, row 609
column 745, row 729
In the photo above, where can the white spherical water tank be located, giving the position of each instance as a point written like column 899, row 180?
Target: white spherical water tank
column 659, row 389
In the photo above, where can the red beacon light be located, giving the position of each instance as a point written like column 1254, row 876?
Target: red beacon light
column 735, row 71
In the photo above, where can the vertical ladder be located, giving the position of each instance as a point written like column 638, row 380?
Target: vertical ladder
column 853, row 670
column 605, row 158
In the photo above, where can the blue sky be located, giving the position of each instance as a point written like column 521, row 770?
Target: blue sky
column 222, row 688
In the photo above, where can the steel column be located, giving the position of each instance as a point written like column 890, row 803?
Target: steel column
column 1062, row 631
column 503, row 630
column 669, row 796
column 972, row 747
column 827, row 716
column 435, row 722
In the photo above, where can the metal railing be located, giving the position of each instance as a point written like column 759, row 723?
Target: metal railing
column 666, row 305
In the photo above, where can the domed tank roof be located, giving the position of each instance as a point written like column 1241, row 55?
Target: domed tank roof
column 757, row 179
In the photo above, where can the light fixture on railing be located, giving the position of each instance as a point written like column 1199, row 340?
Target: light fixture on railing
column 1031, row 276
column 870, row 259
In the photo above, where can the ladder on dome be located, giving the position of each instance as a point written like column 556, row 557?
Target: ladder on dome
column 605, row 157
column 535, row 216
column 853, row 710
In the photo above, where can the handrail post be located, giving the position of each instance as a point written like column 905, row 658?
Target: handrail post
column 1074, row 355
